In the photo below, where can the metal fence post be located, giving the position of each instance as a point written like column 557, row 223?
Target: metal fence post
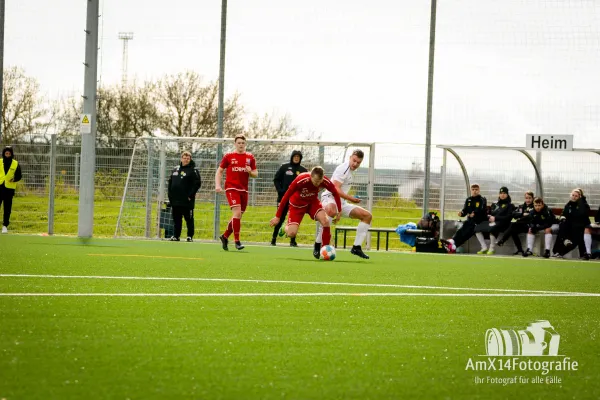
column 52, row 183
column 443, row 194
column 161, row 184
column 149, row 181
column 77, row 171
column 371, row 187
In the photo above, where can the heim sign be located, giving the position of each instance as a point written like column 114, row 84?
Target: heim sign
column 550, row 142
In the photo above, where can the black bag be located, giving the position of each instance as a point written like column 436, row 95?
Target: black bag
column 429, row 245
column 430, row 222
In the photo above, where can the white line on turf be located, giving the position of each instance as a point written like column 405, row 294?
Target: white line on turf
column 298, row 294
column 389, row 285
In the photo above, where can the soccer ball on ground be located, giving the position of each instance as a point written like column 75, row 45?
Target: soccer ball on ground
column 328, row 253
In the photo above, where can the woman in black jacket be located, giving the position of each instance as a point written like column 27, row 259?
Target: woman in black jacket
column 498, row 221
column 522, row 215
column 573, row 222
column 541, row 219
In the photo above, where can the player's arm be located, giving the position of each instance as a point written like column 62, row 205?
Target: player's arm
column 218, row 178
column 252, row 171
column 196, row 185
column 286, row 197
column 343, row 195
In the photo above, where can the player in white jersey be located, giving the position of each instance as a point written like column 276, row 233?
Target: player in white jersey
column 342, row 179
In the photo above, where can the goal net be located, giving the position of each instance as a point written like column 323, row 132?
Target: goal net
column 144, row 208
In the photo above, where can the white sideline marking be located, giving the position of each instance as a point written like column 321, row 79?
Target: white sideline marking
column 298, row 294
column 160, row 278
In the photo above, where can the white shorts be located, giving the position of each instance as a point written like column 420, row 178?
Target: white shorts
column 554, row 228
column 346, row 207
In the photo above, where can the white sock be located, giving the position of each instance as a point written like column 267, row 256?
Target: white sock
column 319, row 235
column 587, row 239
column 492, row 242
column 548, row 239
column 481, row 240
column 530, row 241
column 361, row 233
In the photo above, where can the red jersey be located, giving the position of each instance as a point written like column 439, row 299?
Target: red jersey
column 302, row 192
column 234, row 164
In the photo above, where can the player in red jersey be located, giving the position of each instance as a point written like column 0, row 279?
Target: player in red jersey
column 302, row 196
column 240, row 166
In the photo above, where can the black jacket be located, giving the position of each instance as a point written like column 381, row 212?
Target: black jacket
column 502, row 211
column 286, row 174
column 576, row 213
column 7, row 161
column 477, row 204
column 523, row 209
column 184, row 183
column 542, row 220
column 597, row 217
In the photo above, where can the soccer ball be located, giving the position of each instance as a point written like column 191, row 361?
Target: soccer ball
column 328, row 253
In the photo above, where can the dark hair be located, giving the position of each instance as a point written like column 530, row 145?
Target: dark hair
column 318, row 170
column 239, row 136
column 538, row 200
column 475, row 185
column 358, row 153
column 530, row 194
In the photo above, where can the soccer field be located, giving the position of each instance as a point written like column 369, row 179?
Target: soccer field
column 145, row 319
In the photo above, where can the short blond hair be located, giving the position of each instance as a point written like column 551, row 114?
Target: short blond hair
column 186, row 153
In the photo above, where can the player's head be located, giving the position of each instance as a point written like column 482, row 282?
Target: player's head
column 503, row 193
column 240, row 143
column 529, row 197
column 317, row 174
column 538, row 204
column 576, row 194
column 356, row 159
column 474, row 189
column 186, row 157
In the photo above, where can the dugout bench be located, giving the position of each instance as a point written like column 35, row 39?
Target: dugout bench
column 379, row 231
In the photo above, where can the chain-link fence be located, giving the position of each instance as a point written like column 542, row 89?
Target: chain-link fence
column 398, row 182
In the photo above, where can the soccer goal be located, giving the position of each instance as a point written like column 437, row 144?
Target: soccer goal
column 143, row 211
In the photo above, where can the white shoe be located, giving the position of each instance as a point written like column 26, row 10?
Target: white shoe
column 4, row 229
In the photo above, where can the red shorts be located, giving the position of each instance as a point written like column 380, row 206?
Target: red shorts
column 237, row 198
column 296, row 214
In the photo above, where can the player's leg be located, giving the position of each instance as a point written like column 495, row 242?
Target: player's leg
column 294, row 219
column 322, row 217
column 233, row 199
column 362, row 230
column 330, row 211
column 188, row 215
column 237, row 219
column 277, row 230
column 177, row 216
column 587, row 241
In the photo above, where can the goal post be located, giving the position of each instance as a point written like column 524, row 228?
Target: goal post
column 145, row 194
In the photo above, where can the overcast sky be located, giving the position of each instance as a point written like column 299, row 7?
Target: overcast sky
column 349, row 70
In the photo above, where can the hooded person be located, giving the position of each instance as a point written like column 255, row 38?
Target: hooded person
column 501, row 213
column 10, row 174
column 284, row 177
column 184, row 183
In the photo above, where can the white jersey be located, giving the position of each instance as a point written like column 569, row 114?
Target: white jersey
column 342, row 174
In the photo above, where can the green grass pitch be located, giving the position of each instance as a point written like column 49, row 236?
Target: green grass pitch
column 125, row 319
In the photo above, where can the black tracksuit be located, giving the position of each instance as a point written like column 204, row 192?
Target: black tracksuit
column 521, row 225
column 184, row 183
column 541, row 220
column 502, row 211
column 572, row 226
column 282, row 180
column 7, row 194
column 477, row 204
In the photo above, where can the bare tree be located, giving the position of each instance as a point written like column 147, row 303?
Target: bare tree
column 188, row 107
column 270, row 127
column 23, row 108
